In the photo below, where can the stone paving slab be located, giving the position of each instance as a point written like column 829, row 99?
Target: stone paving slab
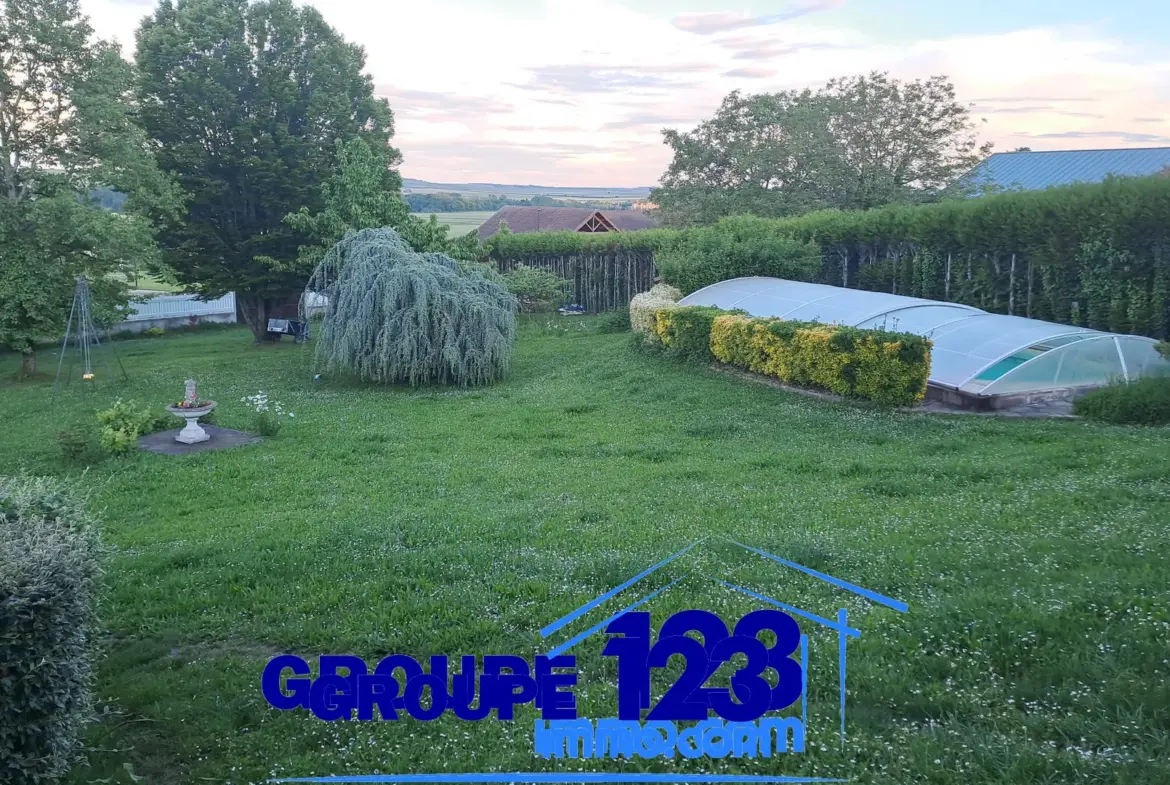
column 164, row 442
column 1056, row 409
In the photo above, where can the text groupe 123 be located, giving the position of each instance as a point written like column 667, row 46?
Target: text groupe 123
column 508, row 681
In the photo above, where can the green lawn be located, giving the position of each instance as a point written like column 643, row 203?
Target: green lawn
column 149, row 282
column 1034, row 556
column 462, row 223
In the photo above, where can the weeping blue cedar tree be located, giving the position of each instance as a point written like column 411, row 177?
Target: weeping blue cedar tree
column 396, row 316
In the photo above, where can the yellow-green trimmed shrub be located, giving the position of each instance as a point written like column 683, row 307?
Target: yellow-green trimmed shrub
column 643, row 306
column 49, row 585
column 886, row 367
column 685, row 330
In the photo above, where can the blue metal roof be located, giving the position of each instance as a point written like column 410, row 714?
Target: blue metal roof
column 1032, row 171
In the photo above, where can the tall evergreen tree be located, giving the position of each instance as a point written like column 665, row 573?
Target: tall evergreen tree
column 247, row 101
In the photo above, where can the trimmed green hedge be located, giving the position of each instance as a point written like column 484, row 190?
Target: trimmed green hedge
column 734, row 248
column 1144, row 402
column 877, row 365
column 505, row 245
column 1095, row 255
column 685, row 330
column 49, row 584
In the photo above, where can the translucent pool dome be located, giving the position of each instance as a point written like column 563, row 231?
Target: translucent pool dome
column 974, row 352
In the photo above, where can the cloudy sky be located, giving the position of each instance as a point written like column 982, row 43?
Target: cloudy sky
column 576, row 92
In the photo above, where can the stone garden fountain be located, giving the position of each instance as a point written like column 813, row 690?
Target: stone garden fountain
column 192, row 437
column 191, row 409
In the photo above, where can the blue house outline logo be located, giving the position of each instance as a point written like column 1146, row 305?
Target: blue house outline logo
column 840, row 626
column 626, row 777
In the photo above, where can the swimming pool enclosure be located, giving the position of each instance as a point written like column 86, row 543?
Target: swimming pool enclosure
column 974, row 352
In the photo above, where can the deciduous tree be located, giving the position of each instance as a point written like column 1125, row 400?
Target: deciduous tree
column 66, row 129
column 365, row 192
column 858, row 142
column 247, row 101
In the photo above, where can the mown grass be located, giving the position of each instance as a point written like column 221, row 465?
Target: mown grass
column 1033, row 556
column 148, row 282
column 460, row 223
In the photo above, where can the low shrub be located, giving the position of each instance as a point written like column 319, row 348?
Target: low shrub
column 49, row 585
column 536, row 290
column 154, row 332
column 885, row 367
column 78, row 442
column 616, row 321
column 733, row 248
column 124, row 422
column 643, row 306
column 1144, row 402
column 685, row 331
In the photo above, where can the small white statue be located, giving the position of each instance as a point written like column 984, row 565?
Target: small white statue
column 191, row 397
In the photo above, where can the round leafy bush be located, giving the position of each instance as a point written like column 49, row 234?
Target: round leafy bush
column 616, row 321
column 124, row 422
column 396, row 316
column 536, row 290
column 1144, row 402
column 643, row 306
column 50, row 575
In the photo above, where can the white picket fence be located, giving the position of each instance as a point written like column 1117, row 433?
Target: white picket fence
column 177, row 306
column 170, row 311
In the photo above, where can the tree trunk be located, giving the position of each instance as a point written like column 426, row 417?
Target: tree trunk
column 28, row 364
column 1012, row 288
column 255, row 310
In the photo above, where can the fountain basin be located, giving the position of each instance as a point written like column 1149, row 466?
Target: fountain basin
column 192, row 433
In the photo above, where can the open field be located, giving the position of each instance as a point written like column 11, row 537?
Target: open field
column 525, row 191
column 1033, row 555
column 462, row 223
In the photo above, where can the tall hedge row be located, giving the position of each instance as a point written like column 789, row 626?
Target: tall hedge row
column 1095, row 255
column 735, row 247
column 49, row 583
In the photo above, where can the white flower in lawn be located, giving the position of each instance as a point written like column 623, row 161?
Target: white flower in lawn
column 261, row 404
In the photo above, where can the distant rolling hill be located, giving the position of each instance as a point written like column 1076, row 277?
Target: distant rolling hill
column 524, row 191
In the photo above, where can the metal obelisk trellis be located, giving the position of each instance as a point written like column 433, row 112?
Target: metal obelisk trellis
column 84, row 332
